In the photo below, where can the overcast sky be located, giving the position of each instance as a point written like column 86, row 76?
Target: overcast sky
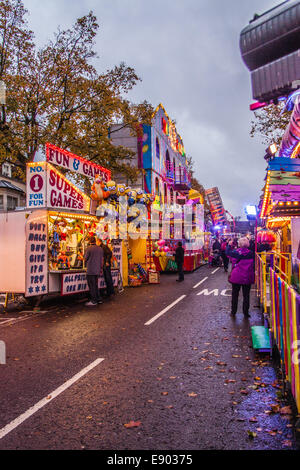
column 187, row 55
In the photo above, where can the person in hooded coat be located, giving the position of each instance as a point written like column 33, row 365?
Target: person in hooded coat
column 242, row 274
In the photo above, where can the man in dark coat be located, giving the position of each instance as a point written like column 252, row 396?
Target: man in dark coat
column 179, row 258
column 94, row 263
column 107, row 269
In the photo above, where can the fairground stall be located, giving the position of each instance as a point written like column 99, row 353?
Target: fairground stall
column 277, row 266
column 53, row 231
column 270, row 49
column 185, row 224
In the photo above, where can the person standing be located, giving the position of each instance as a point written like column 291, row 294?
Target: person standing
column 216, row 245
column 94, row 263
column 242, row 274
column 107, row 253
column 223, row 255
column 179, row 258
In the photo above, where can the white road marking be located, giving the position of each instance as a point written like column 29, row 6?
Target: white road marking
column 13, row 321
column 201, row 282
column 214, row 292
column 165, row 310
column 7, row 321
column 215, row 270
column 45, row 401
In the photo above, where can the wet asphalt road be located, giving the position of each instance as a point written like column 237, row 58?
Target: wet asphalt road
column 189, row 380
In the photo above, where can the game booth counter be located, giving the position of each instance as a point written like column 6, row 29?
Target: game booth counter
column 42, row 247
column 54, row 244
column 195, row 255
column 194, row 239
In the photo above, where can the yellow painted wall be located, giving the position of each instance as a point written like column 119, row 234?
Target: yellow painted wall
column 138, row 250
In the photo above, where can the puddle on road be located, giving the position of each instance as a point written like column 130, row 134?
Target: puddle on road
column 268, row 414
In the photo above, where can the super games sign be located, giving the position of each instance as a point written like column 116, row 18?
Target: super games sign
column 47, row 187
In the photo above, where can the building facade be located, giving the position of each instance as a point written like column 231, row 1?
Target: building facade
column 160, row 157
column 12, row 190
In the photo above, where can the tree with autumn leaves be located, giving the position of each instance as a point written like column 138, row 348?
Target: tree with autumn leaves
column 55, row 94
column 270, row 123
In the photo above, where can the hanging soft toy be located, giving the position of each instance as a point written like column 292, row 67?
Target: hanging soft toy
column 132, row 214
column 98, row 192
column 139, row 193
column 141, row 197
column 121, row 190
column 63, row 261
column 54, row 242
column 111, row 188
column 132, row 197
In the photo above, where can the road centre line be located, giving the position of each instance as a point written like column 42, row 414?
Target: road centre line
column 165, row 310
column 199, row 283
column 215, row 270
column 45, row 401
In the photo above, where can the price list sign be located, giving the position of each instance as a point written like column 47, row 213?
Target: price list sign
column 36, row 255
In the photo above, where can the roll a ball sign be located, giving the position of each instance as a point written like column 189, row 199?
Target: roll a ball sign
column 47, row 187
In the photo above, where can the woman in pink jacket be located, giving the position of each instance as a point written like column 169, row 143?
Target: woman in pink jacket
column 242, row 274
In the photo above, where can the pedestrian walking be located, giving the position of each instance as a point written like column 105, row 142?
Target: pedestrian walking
column 252, row 244
column 224, row 257
column 107, row 253
column 216, row 245
column 94, row 263
column 179, row 258
column 242, row 274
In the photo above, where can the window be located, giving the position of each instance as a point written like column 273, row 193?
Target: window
column 6, row 170
column 157, row 193
column 167, row 156
column 157, row 148
column 171, row 196
column 165, row 194
column 1, row 203
column 12, row 203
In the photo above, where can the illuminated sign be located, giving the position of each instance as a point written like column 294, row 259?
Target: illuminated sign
column 74, row 163
column 47, row 187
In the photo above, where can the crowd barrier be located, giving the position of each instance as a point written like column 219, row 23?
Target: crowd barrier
column 280, row 302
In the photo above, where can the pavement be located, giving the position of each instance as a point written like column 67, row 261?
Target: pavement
column 156, row 368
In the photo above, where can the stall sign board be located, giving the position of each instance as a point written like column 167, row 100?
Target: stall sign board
column 36, row 177
column 117, row 252
column 74, row 283
column 47, row 187
column 36, row 254
column 62, row 194
column 153, row 277
column 74, row 163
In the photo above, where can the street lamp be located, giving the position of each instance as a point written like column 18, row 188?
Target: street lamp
column 252, row 214
column 271, row 152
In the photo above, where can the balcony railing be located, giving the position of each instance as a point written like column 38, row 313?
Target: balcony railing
column 179, row 176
